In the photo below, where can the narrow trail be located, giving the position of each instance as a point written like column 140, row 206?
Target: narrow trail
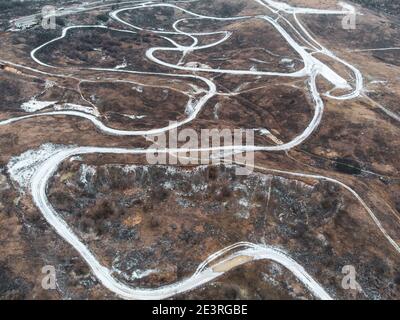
column 375, row 49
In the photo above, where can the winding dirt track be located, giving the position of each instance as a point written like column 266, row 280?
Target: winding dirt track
column 219, row 262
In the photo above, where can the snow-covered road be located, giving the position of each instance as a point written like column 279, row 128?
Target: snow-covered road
column 204, row 273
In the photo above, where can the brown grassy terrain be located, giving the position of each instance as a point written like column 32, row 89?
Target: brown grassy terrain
column 171, row 220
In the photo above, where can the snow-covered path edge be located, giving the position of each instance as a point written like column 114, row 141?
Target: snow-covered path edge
column 39, row 184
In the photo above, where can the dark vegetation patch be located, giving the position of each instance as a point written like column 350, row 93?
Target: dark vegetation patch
column 369, row 33
column 224, row 9
column 15, row 91
column 153, row 107
column 388, row 56
column 11, row 287
column 387, row 6
column 97, row 47
column 348, row 166
column 176, row 210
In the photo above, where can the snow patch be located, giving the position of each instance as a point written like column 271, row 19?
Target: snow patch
column 168, row 185
column 123, row 65
column 134, row 117
column 139, row 274
column 289, row 63
column 135, row 275
column 75, row 158
column 138, row 89
column 197, row 65
column 21, row 168
column 129, row 168
column 85, row 172
column 244, row 203
column 34, row 105
column 253, row 69
column 378, row 82
column 49, row 84
column 77, row 107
